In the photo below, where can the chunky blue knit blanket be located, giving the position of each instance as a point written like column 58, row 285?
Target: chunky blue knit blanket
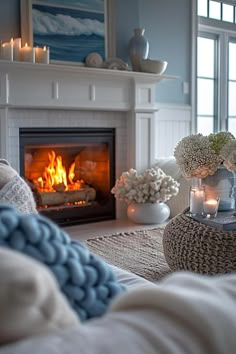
column 87, row 281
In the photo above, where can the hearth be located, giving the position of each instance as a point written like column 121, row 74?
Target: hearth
column 71, row 172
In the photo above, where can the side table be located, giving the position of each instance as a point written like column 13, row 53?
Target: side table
column 194, row 246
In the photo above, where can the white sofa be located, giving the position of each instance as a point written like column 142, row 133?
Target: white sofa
column 180, row 202
column 184, row 313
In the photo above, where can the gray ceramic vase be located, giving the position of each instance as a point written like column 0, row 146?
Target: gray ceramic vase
column 138, row 48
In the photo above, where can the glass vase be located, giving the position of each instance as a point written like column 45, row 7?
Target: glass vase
column 222, row 185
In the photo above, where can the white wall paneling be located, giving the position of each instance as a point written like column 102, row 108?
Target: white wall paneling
column 145, row 147
column 172, row 124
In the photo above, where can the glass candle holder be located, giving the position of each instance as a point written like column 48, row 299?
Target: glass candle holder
column 210, row 207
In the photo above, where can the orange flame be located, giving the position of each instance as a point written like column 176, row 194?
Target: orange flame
column 55, row 174
column 71, row 174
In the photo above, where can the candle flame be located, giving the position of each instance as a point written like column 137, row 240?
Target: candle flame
column 211, row 202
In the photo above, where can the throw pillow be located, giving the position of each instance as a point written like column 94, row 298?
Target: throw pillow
column 87, row 281
column 30, row 299
column 14, row 190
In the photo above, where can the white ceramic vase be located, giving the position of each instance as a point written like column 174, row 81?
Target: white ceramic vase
column 148, row 213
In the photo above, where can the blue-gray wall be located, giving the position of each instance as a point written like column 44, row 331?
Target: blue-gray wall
column 170, row 40
column 9, row 19
column 167, row 26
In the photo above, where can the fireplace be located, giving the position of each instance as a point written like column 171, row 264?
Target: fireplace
column 63, row 96
column 71, row 172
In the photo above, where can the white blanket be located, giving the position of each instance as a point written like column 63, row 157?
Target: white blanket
column 184, row 313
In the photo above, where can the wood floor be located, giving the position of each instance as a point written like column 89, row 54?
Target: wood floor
column 102, row 228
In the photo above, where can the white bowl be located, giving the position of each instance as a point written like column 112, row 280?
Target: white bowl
column 153, row 66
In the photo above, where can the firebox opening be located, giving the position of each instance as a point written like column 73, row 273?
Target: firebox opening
column 70, row 171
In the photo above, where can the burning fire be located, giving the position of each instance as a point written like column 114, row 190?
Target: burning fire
column 55, row 177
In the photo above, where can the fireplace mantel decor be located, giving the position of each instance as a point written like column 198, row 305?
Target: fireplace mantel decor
column 72, row 45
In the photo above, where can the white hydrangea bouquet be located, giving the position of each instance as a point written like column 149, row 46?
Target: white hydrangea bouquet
column 149, row 187
column 200, row 156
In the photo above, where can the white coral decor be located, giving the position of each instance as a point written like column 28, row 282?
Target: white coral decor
column 150, row 187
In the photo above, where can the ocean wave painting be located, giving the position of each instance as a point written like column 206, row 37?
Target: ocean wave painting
column 71, row 29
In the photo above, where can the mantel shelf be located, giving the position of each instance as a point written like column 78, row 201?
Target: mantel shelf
column 27, row 85
column 82, row 70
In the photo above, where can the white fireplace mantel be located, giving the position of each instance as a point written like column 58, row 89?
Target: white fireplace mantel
column 62, row 87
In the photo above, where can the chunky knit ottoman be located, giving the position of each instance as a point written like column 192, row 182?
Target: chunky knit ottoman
column 193, row 246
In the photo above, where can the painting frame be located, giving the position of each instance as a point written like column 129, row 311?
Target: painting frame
column 27, row 35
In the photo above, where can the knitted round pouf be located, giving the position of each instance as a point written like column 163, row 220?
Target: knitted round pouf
column 87, row 281
column 194, row 246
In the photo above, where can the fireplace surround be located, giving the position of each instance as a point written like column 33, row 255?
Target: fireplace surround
column 34, row 96
column 71, row 172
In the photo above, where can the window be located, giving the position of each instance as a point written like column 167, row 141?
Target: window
column 216, row 67
column 232, row 88
column 215, row 10
column 206, row 84
column 218, row 10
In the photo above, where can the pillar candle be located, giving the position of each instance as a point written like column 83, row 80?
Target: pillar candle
column 27, row 53
column 196, row 201
column 16, row 48
column 6, row 52
column 46, row 52
column 42, row 55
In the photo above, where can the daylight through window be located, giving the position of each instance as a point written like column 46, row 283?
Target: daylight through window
column 216, row 67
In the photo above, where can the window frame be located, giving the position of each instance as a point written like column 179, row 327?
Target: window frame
column 226, row 32
column 231, row 39
column 214, row 37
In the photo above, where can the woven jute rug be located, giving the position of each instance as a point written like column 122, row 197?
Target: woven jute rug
column 140, row 252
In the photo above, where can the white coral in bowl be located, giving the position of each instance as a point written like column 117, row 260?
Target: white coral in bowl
column 152, row 186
